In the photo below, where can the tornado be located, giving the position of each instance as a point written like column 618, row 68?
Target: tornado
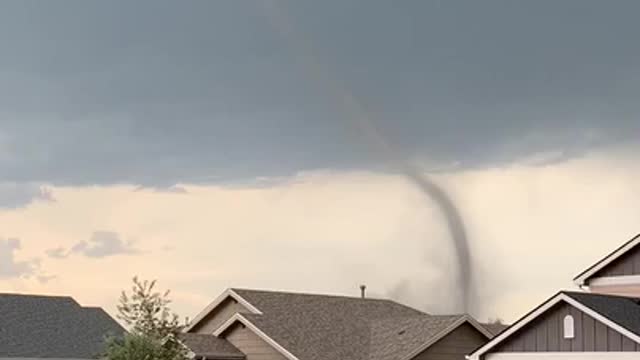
column 357, row 115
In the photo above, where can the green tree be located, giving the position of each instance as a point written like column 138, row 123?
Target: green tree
column 153, row 327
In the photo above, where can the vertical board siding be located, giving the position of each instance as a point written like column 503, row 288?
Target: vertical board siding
column 219, row 316
column 455, row 345
column 251, row 344
column 546, row 334
column 627, row 264
column 589, row 333
column 578, row 343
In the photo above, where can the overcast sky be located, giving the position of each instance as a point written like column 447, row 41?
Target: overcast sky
column 196, row 134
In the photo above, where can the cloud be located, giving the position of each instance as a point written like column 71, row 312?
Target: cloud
column 164, row 107
column 9, row 266
column 171, row 189
column 57, row 253
column 341, row 229
column 44, row 279
column 14, row 195
column 103, row 244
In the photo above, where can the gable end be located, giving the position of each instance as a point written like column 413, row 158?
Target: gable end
column 546, row 334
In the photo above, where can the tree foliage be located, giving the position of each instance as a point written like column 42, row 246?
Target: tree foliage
column 154, row 328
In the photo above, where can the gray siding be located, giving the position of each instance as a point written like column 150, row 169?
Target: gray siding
column 545, row 334
column 251, row 344
column 458, row 343
column 218, row 316
column 627, row 264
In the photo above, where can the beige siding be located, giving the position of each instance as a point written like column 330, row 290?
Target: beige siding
column 627, row 264
column 251, row 344
column 545, row 334
column 219, row 316
column 458, row 343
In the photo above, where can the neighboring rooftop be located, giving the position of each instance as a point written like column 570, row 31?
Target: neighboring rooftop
column 36, row 326
column 495, row 328
column 397, row 338
column 328, row 327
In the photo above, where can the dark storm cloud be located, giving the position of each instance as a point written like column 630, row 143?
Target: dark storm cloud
column 155, row 93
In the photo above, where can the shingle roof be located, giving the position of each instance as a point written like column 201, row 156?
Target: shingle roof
column 210, row 347
column 324, row 327
column 33, row 326
column 624, row 311
column 394, row 339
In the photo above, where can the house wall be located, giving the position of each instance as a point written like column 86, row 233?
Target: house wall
column 251, row 344
column 545, row 334
column 455, row 345
column 627, row 264
column 219, row 316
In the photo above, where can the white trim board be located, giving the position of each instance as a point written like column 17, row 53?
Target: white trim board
column 541, row 310
column 625, row 280
column 222, row 297
column 564, row 356
column 460, row 321
column 244, row 321
column 582, row 278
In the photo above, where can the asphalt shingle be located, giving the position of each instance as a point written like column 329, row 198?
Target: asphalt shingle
column 33, row 326
column 396, row 338
column 624, row 311
column 210, row 347
column 324, row 327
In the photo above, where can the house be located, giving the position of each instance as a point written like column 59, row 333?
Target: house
column 269, row 325
column 52, row 327
column 600, row 322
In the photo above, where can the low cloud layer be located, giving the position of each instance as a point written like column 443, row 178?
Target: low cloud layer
column 14, row 195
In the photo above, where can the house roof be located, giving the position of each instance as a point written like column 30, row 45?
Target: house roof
column 34, row 326
column 325, row 327
column 618, row 312
column 614, row 255
column 210, row 347
column 624, row 311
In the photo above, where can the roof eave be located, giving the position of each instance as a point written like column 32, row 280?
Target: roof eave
column 582, row 278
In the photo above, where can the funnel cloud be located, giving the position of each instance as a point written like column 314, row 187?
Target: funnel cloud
column 355, row 112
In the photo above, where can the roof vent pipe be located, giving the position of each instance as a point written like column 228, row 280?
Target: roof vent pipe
column 363, row 289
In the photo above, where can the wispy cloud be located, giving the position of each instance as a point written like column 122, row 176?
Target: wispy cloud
column 10, row 267
column 101, row 244
column 57, row 253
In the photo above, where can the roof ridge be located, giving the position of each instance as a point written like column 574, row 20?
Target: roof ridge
column 48, row 296
column 301, row 293
column 61, row 298
column 579, row 293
